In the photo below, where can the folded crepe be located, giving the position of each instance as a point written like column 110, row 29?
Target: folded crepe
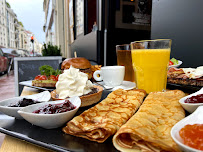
column 105, row 118
column 149, row 129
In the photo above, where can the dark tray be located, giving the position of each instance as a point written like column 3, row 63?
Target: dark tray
column 185, row 88
column 53, row 139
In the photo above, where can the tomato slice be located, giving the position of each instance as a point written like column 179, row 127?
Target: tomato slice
column 57, row 77
column 37, row 77
column 171, row 63
column 53, row 77
column 43, row 77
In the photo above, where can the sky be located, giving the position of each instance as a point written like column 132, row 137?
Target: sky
column 31, row 14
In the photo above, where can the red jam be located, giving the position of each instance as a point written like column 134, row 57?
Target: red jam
column 23, row 103
column 192, row 136
column 55, row 108
column 195, row 99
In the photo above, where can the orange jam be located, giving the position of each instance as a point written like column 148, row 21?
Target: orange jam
column 192, row 136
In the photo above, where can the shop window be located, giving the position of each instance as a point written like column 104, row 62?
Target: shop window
column 128, row 11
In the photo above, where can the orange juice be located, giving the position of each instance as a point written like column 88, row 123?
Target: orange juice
column 150, row 66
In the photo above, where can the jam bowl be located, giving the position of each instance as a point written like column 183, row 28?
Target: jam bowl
column 191, row 106
column 194, row 118
column 41, row 115
column 11, row 106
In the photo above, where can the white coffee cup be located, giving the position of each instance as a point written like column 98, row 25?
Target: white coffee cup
column 111, row 75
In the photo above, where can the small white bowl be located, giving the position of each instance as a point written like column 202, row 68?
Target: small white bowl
column 191, row 107
column 177, row 65
column 12, row 111
column 49, row 121
column 194, row 118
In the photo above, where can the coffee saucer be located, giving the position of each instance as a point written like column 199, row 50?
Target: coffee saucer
column 126, row 85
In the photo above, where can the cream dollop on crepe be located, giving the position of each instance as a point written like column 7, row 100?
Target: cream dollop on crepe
column 73, row 83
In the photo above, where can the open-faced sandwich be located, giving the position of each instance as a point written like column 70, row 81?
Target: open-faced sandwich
column 73, row 82
column 48, row 77
column 186, row 76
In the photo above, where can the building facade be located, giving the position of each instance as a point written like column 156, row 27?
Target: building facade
column 55, row 25
column 22, row 38
column 10, row 18
column 3, row 27
column 12, row 33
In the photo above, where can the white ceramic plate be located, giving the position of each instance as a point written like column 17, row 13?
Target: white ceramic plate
column 126, row 85
column 177, row 65
column 12, row 111
column 49, row 121
column 195, row 118
column 191, row 107
column 29, row 84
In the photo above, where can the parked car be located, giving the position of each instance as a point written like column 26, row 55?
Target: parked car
column 3, row 62
column 10, row 52
column 23, row 53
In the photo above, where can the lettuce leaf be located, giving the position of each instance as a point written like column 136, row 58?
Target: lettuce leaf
column 175, row 62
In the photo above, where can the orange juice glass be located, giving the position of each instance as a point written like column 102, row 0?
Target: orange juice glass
column 150, row 60
column 124, row 59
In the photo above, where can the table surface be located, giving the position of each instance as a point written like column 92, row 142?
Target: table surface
column 11, row 144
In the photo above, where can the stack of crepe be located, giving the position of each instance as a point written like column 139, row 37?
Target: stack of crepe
column 149, row 129
column 104, row 119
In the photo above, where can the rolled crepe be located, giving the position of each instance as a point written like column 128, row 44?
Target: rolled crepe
column 149, row 129
column 105, row 118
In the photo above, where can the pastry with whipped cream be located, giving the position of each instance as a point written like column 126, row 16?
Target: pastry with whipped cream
column 72, row 83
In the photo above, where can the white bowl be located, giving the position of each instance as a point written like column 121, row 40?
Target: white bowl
column 194, row 118
column 49, row 121
column 177, row 65
column 191, row 107
column 12, row 111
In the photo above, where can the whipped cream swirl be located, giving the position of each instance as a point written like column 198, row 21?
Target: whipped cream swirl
column 73, row 83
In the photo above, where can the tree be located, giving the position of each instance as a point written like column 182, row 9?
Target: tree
column 8, row 5
column 21, row 24
column 51, row 50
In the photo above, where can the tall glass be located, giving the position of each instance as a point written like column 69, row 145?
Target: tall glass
column 124, row 59
column 150, row 59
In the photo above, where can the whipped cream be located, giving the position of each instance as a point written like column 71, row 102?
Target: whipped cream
column 72, row 82
column 194, row 73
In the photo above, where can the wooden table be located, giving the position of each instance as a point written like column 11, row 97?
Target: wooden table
column 11, row 144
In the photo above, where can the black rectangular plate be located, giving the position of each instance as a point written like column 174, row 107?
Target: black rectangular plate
column 53, row 139
column 185, row 88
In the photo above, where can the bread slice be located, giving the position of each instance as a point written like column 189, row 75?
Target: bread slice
column 86, row 100
column 178, row 76
column 44, row 83
column 187, row 81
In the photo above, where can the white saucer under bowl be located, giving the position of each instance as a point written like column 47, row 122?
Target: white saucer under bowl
column 126, row 85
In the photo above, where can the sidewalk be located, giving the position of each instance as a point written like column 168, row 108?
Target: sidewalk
column 7, row 90
column 7, row 87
